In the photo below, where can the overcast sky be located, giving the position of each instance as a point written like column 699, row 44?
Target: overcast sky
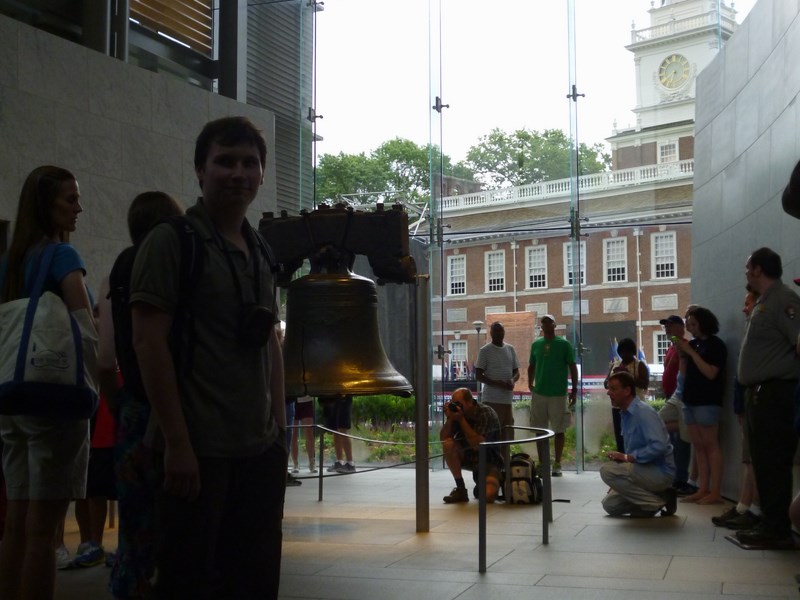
column 504, row 63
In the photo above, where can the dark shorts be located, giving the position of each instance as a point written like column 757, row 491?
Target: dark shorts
column 100, row 479
column 304, row 410
column 338, row 413
column 469, row 458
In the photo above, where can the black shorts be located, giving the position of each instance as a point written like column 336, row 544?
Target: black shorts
column 100, row 479
column 338, row 413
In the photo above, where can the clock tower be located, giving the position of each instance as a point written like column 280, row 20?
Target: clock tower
column 683, row 37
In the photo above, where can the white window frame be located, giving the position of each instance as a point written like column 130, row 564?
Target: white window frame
column 536, row 267
column 667, row 152
column 610, row 246
column 657, row 261
column 660, row 341
column 458, row 358
column 453, row 277
column 568, row 263
column 493, row 283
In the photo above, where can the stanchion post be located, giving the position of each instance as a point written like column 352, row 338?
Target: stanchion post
column 422, row 387
column 482, row 508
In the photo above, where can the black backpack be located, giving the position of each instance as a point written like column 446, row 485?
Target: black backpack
column 526, row 485
column 191, row 265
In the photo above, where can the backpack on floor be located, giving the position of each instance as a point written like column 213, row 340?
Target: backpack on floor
column 526, row 485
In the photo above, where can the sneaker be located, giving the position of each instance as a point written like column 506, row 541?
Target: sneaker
column 346, row 468
column 83, row 548
column 556, row 472
column 334, row 468
column 94, row 556
column 295, row 469
column 685, row 489
column 747, row 520
column 292, row 481
column 457, row 495
column 722, row 520
column 761, row 537
column 111, row 559
column 671, row 505
column 312, row 468
column 62, row 557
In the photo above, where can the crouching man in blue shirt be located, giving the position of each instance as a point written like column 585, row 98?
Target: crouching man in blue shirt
column 640, row 478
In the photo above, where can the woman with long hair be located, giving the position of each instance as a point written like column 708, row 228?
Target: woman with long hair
column 703, row 365
column 44, row 459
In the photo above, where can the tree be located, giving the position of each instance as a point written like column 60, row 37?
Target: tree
column 397, row 169
column 524, row 156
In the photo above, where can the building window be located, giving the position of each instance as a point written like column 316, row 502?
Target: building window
column 664, row 255
column 496, row 271
column 456, row 275
column 568, row 269
column 566, row 307
column 458, row 360
column 661, row 343
column 456, row 315
column 667, row 152
column 615, row 305
column 536, row 267
column 615, row 259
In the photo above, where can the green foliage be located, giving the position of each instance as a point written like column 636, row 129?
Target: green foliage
column 525, row 156
column 383, row 411
column 397, row 169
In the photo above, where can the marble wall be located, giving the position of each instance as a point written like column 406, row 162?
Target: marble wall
column 121, row 130
column 747, row 142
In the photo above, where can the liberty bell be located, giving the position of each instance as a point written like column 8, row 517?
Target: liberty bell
column 332, row 346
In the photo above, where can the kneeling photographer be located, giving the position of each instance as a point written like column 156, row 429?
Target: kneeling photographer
column 468, row 423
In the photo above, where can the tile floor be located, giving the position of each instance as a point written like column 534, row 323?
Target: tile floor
column 360, row 543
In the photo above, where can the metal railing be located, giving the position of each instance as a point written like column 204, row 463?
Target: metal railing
column 547, row 490
column 321, row 434
column 559, row 189
column 547, row 493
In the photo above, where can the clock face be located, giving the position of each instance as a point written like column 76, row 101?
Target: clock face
column 674, row 71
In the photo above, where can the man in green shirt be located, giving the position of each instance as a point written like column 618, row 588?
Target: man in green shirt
column 551, row 359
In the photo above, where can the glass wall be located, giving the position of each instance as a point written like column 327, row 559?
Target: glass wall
column 560, row 141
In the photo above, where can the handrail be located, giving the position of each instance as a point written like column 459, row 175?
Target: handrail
column 323, row 430
column 547, row 499
column 557, row 189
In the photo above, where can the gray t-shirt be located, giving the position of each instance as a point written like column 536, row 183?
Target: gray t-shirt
column 225, row 394
column 768, row 345
column 497, row 362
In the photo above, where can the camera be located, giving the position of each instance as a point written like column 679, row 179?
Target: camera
column 255, row 326
column 454, row 406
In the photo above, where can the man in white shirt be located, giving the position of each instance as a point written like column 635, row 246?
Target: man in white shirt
column 497, row 369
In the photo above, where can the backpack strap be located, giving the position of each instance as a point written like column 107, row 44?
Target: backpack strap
column 192, row 255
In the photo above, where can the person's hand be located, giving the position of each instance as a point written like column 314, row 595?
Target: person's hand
column 509, row 384
column 616, row 456
column 181, row 472
column 572, row 396
column 682, row 345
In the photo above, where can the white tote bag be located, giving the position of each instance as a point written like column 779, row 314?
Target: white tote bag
column 47, row 355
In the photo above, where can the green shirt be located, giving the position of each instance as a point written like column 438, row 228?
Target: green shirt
column 551, row 360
